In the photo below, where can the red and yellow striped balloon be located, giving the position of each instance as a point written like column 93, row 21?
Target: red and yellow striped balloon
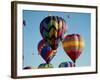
column 73, row 45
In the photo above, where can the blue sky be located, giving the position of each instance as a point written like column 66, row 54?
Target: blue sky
column 77, row 23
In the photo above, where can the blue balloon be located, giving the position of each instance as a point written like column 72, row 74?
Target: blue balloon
column 47, row 53
column 67, row 64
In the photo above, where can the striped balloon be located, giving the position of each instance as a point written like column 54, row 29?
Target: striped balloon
column 67, row 64
column 52, row 29
column 73, row 45
column 44, row 65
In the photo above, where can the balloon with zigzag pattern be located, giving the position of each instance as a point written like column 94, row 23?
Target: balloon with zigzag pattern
column 52, row 29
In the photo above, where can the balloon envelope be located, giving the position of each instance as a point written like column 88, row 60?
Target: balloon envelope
column 44, row 65
column 27, row 67
column 73, row 45
column 46, row 52
column 52, row 29
column 24, row 22
column 67, row 64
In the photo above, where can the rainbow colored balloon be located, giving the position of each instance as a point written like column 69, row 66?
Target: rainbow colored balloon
column 67, row 64
column 52, row 29
column 73, row 45
column 45, row 51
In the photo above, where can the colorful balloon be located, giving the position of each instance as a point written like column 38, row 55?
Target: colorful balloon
column 67, row 64
column 52, row 29
column 46, row 52
column 44, row 65
column 73, row 45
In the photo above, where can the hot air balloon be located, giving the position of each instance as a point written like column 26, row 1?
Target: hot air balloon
column 24, row 22
column 73, row 45
column 52, row 29
column 46, row 52
column 44, row 65
column 67, row 64
column 27, row 67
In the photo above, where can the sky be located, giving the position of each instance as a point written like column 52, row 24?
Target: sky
column 79, row 23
